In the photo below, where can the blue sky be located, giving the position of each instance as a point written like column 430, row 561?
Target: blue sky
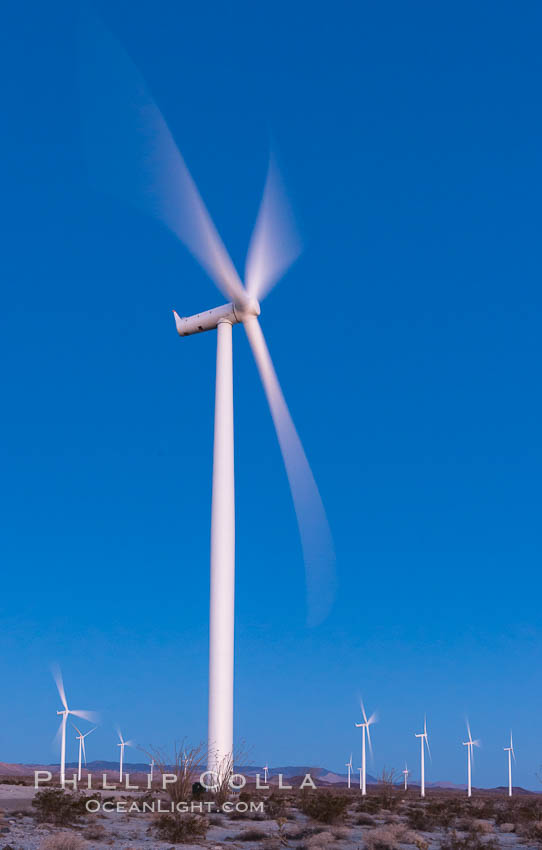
column 407, row 342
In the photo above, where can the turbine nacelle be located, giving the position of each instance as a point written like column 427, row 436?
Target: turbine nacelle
column 208, row 321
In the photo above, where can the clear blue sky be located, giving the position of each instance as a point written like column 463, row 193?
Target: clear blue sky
column 407, row 339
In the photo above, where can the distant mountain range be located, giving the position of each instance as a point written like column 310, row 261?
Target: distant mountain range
column 320, row 775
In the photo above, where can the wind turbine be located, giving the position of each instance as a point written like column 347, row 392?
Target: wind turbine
column 82, row 752
column 349, row 766
column 127, row 128
column 365, row 730
column 423, row 738
column 265, row 772
column 151, row 765
column 470, row 744
column 122, row 744
column 406, row 771
column 510, row 751
column 267, row 260
column 85, row 715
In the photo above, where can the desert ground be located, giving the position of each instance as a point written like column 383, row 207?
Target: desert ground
column 335, row 818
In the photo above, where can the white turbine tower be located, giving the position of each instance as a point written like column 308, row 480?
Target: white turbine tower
column 265, row 772
column 470, row 744
column 131, row 152
column 349, row 766
column 151, row 772
column 82, row 751
column 122, row 744
column 424, row 740
column 510, row 751
column 406, row 771
column 85, row 715
column 365, row 731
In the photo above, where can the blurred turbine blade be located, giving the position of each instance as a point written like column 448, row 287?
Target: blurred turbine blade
column 363, row 711
column 76, row 729
column 83, row 748
column 129, row 744
column 132, row 155
column 58, row 736
column 57, row 675
column 274, row 244
column 90, row 731
column 313, row 526
column 468, row 730
column 425, row 724
column 369, row 741
column 428, row 747
column 373, row 718
column 91, row 716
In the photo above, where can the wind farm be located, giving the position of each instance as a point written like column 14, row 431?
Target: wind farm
column 385, row 807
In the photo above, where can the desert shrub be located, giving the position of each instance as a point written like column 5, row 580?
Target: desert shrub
column 185, row 762
column 389, row 837
column 305, row 832
column 63, row 841
column 251, row 835
column 482, row 826
column 370, row 805
column 323, row 839
column 340, row 833
column 271, row 844
column 324, row 806
column 54, row 805
column 419, row 818
column 471, row 841
column 276, row 805
column 178, row 828
column 380, row 839
column 388, row 793
column 441, row 813
column 505, row 814
column 94, row 831
column 532, row 831
column 365, row 820
column 519, row 811
column 483, row 809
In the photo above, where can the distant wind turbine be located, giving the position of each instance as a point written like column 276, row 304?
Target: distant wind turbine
column 122, row 744
column 349, row 766
column 360, row 778
column 365, row 731
column 406, row 771
column 470, row 744
column 265, row 772
column 510, row 751
column 86, row 715
column 423, row 738
column 82, row 752
column 151, row 765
